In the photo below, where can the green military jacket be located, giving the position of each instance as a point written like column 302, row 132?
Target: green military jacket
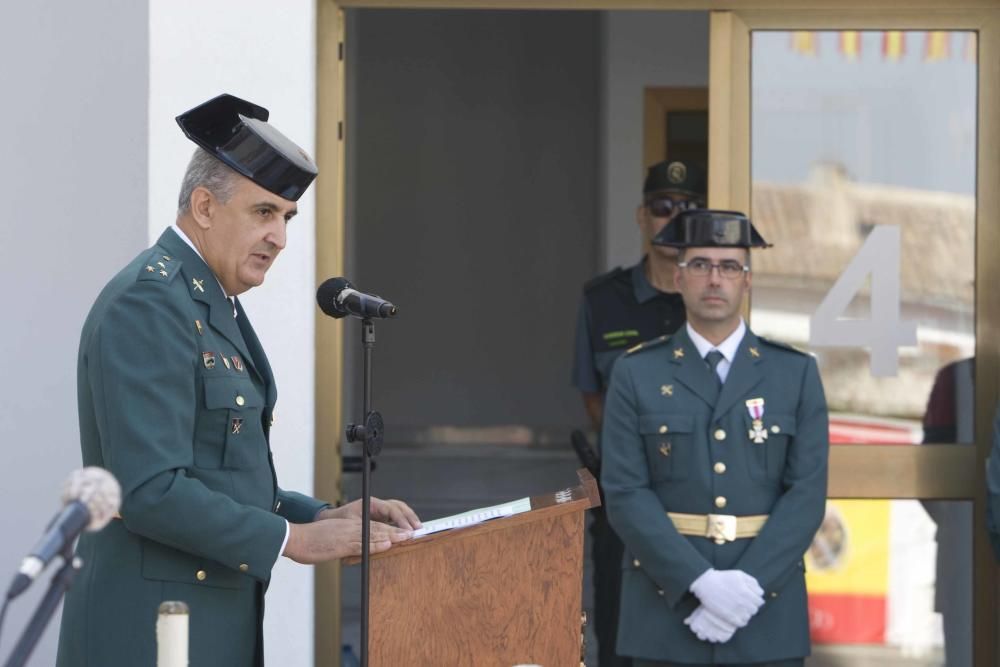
column 176, row 399
column 666, row 429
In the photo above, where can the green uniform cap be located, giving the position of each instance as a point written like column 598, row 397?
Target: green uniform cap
column 675, row 176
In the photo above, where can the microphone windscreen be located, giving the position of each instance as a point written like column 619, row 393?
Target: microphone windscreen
column 98, row 490
column 327, row 293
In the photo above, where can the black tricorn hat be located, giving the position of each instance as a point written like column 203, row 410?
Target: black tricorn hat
column 237, row 133
column 706, row 228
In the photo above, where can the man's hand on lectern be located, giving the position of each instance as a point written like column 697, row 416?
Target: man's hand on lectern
column 329, row 539
column 394, row 512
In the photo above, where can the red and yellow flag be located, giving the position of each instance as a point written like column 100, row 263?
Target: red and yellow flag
column 804, row 42
column 893, row 44
column 850, row 44
column 937, row 46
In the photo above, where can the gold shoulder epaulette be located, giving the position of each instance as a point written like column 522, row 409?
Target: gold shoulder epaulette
column 647, row 344
column 782, row 345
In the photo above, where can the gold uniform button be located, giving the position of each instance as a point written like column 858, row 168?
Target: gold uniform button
column 719, row 434
column 635, row 562
column 659, row 591
column 719, row 467
column 244, row 567
column 200, row 575
column 240, row 401
column 720, row 502
column 774, row 595
column 663, row 429
column 775, row 429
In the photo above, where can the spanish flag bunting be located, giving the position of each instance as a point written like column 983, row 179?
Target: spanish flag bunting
column 850, row 44
column 804, row 42
column 937, row 46
column 893, row 44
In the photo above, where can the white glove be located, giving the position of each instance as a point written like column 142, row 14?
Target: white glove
column 708, row 627
column 731, row 595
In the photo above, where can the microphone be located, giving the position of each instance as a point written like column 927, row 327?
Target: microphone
column 338, row 298
column 91, row 498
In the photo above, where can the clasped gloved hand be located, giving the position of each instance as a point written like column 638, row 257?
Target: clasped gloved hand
column 708, row 627
column 733, row 596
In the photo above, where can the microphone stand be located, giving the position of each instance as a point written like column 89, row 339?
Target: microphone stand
column 370, row 435
column 58, row 586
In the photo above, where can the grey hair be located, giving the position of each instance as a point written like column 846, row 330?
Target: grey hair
column 205, row 170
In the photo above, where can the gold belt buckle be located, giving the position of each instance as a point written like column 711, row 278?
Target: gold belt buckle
column 721, row 528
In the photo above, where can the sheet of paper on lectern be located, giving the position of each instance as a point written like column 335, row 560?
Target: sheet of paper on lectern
column 473, row 517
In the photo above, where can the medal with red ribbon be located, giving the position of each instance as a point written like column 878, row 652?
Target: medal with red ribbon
column 757, row 433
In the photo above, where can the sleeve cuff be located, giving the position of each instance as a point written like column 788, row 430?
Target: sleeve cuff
column 284, row 542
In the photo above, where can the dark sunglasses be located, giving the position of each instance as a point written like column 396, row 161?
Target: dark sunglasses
column 663, row 207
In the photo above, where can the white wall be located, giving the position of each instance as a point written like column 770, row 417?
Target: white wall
column 642, row 49
column 73, row 78
column 264, row 52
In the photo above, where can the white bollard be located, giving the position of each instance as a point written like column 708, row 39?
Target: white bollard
column 172, row 635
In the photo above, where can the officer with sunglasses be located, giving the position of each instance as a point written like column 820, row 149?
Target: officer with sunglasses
column 619, row 309
column 714, row 471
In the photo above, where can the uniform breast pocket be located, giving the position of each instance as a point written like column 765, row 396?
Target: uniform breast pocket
column 669, row 444
column 768, row 447
column 229, row 431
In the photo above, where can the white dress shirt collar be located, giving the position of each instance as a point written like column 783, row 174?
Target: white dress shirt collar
column 727, row 347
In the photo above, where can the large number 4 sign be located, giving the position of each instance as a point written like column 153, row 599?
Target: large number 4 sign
column 883, row 333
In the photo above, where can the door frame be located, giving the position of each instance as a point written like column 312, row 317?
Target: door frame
column 330, row 257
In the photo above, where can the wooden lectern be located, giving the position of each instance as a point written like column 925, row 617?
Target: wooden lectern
column 497, row 594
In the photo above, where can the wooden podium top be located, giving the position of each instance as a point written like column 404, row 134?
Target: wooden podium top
column 575, row 499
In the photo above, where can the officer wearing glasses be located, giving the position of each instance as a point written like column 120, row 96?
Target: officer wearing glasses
column 618, row 310
column 714, row 470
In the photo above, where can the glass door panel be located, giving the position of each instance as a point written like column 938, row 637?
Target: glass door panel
column 863, row 175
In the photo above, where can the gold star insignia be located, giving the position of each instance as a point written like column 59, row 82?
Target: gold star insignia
column 754, row 352
column 163, row 273
column 161, row 265
column 667, row 390
column 166, row 259
column 150, row 269
column 678, row 353
column 198, row 284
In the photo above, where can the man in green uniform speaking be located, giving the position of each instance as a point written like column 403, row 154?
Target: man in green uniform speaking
column 176, row 399
column 714, row 470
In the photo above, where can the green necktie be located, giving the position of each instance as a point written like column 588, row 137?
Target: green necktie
column 712, row 359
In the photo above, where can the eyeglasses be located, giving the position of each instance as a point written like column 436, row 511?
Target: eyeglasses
column 728, row 268
column 664, row 207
